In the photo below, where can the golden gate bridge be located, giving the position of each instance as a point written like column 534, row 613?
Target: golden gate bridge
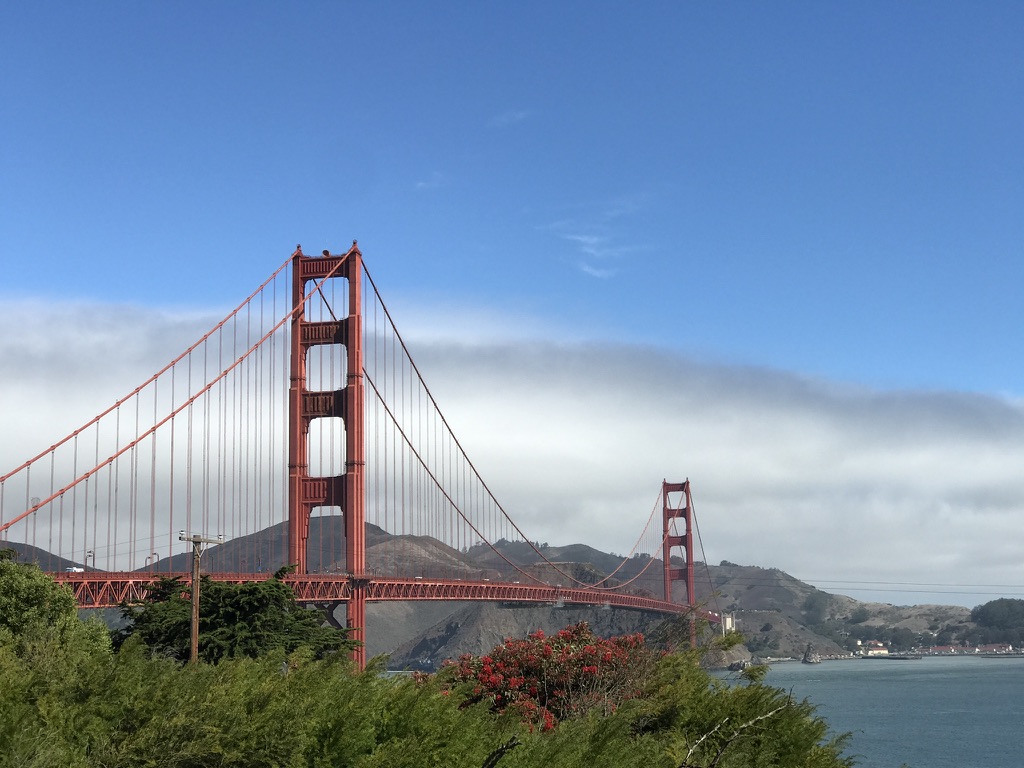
column 299, row 432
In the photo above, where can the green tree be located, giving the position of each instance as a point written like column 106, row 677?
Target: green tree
column 703, row 722
column 67, row 705
column 67, row 701
column 48, row 658
column 29, row 596
column 1005, row 613
column 235, row 620
column 678, row 716
column 903, row 639
column 815, row 607
column 860, row 615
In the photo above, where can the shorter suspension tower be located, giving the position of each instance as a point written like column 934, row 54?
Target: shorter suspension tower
column 682, row 541
column 346, row 491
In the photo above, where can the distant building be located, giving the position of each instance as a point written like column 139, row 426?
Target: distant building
column 994, row 648
column 874, row 648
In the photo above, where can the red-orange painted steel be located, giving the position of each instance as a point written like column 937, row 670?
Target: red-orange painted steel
column 347, row 491
column 298, row 513
column 355, row 456
column 99, row 589
column 684, row 540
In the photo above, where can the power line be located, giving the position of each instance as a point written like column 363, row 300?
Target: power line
column 920, row 584
column 900, row 587
column 849, row 592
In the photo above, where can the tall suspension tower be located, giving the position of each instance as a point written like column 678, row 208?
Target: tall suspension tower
column 683, row 541
column 346, row 491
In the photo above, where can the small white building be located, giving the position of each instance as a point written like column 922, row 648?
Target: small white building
column 874, row 648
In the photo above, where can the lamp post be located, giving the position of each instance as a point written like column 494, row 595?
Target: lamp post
column 35, row 503
column 197, row 553
column 90, row 555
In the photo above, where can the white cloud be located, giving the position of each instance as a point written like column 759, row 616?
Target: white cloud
column 596, row 251
column 831, row 483
column 60, row 365
column 596, row 233
column 436, row 180
column 821, row 481
column 604, row 274
column 511, row 117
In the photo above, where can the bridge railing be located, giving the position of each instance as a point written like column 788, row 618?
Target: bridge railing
column 99, row 589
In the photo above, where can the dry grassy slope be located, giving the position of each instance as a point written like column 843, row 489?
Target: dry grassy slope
column 917, row 618
column 792, row 637
column 749, row 588
column 445, row 630
column 418, row 636
column 768, row 604
column 413, row 631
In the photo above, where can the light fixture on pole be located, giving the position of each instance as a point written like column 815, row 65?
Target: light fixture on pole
column 197, row 553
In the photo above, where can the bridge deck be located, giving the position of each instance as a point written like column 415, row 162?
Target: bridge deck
column 101, row 589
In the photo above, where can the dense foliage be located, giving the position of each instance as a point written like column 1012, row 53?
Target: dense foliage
column 234, row 620
column 546, row 679
column 998, row 621
column 67, row 700
column 1004, row 613
column 29, row 596
column 815, row 607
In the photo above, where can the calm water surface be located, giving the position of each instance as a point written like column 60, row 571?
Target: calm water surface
column 938, row 712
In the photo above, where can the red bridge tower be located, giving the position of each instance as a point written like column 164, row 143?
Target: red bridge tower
column 347, row 491
column 684, row 541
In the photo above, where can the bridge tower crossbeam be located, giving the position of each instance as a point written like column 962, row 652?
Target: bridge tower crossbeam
column 682, row 541
column 346, row 491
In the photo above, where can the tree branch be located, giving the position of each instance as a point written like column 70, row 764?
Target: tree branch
column 735, row 735
column 496, row 755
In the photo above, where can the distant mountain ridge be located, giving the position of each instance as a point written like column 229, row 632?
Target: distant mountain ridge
column 777, row 613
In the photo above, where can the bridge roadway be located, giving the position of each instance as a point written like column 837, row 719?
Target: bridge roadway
column 108, row 589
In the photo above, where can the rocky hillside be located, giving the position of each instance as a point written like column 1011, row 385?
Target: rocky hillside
column 778, row 614
column 749, row 588
column 480, row 626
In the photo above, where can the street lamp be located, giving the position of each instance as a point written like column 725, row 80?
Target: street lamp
column 35, row 503
column 197, row 553
column 90, row 555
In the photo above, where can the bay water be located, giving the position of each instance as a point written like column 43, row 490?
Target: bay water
column 936, row 712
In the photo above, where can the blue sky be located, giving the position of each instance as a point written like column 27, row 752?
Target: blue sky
column 826, row 194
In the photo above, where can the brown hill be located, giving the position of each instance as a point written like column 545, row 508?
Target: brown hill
column 777, row 613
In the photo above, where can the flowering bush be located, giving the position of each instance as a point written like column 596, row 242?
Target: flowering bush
column 548, row 679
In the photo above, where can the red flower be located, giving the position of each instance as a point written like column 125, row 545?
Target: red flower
column 546, row 679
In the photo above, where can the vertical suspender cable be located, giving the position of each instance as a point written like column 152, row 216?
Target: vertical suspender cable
column 153, row 479
column 188, row 444
column 205, row 436
column 170, row 495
